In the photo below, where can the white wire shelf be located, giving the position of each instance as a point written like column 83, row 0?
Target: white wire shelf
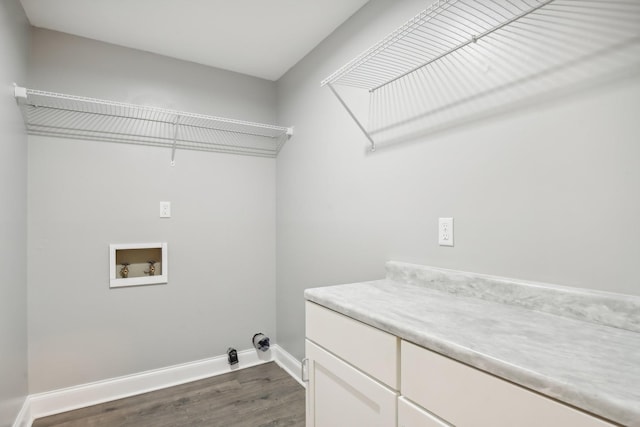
column 69, row 116
column 460, row 59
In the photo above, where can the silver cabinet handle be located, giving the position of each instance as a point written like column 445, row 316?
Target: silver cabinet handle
column 303, row 369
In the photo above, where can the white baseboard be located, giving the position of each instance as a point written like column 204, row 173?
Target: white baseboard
column 24, row 418
column 289, row 363
column 67, row 399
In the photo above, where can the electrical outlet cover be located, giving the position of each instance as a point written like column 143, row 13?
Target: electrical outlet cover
column 165, row 209
column 445, row 231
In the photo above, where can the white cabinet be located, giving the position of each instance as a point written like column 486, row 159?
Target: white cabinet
column 340, row 395
column 468, row 397
column 352, row 371
column 411, row 415
column 360, row 376
column 373, row 351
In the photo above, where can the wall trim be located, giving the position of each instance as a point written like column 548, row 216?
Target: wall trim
column 289, row 363
column 24, row 419
column 67, row 399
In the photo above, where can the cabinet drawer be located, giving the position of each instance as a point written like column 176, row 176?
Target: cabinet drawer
column 373, row 351
column 410, row 415
column 468, row 397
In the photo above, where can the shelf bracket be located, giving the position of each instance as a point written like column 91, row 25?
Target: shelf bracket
column 20, row 93
column 175, row 141
column 353, row 116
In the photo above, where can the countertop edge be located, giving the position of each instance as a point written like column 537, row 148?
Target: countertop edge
column 528, row 379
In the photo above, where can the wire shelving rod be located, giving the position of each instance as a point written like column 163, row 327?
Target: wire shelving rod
column 70, row 116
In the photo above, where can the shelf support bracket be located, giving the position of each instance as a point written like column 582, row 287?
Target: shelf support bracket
column 353, row 116
column 175, row 141
column 20, row 93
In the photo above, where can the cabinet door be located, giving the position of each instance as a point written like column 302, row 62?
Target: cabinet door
column 339, row 395
column 410, row 415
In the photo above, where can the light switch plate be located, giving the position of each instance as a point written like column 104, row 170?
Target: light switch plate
column 445, row 231
column 165, row 209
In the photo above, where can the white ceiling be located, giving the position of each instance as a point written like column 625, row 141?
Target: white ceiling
column 262, row 38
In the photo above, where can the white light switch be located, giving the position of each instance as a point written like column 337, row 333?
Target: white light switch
column 445, row 231
column 165, row 209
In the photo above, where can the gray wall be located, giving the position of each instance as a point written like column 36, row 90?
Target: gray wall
column 84, row 195
column 533, row 194
column 14, row 44
column 548, row 193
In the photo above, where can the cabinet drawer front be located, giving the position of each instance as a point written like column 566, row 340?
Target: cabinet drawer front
column 468, row 397
column 410, row 415
column 340, row 395
column 371, row 350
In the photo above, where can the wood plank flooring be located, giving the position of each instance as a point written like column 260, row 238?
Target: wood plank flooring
column 261, row 396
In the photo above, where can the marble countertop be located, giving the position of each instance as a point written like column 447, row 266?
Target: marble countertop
column 588, row 365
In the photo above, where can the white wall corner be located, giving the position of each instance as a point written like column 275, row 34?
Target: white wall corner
column 289, row 363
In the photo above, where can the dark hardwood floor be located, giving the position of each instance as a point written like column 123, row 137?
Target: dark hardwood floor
column 261, row 396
